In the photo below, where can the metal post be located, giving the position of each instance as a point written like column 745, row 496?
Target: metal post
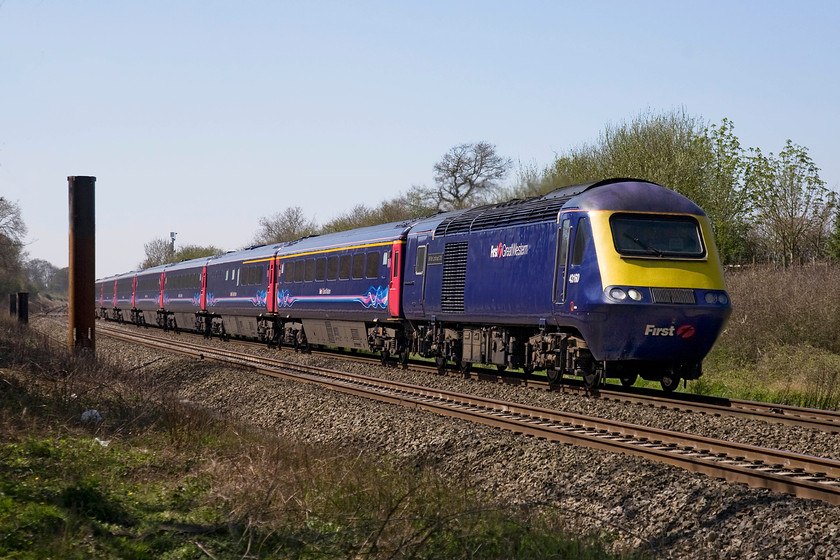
column 82, row 261
column 23, row 307
column 12, row 305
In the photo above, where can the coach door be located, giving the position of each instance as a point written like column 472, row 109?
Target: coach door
column 204, row 288
column 564, row 234
column 271, row 293
column 395, row 283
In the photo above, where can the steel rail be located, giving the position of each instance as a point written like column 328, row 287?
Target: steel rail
column 822, row 420
column 800, row 475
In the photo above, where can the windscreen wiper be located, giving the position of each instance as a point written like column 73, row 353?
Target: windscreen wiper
column 643, row 245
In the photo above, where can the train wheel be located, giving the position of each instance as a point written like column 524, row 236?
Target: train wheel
column 465, row 368
column 669, row 382
column 591, row 380
column 500, row 368
column 404, row 359
column 385, row 356
column 627, row 380
column 440, row 362
column 554, row 376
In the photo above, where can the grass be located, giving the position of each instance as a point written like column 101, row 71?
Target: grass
column 159, row 478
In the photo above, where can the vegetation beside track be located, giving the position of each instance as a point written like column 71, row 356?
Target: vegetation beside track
column 158, row 478
column 782, row 342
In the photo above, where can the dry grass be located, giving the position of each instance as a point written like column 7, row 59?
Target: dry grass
column 176, row 481
column 782, row 342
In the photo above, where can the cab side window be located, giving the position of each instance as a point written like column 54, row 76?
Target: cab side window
column 584, row 234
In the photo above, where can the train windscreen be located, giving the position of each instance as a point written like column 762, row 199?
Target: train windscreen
column 657, row 236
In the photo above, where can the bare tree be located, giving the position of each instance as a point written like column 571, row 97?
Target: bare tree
column 158, row 251
column 40, row 273
column 162, row 251
column 12, row 232
column 466, row 175
column 12, row 228
column 288, row 225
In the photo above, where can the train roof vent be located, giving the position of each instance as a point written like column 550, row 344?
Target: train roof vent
column 512, row 213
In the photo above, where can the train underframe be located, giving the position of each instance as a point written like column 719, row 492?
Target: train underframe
column 506, row 347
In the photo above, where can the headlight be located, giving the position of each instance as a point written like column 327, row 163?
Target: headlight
column 618, row 293
column 634, row 294
column 711, row 298
column 722, row 299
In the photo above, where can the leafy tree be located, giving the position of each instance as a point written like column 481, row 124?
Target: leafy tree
column 724, row 194
column 402, row 208
column 706, row 164
column 288, row 225
column 466, row 175
column 188, row 252
column 792, row 205
column 667, row 149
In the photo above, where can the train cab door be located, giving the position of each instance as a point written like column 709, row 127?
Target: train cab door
column 574, row 254
column 564, row 235
column 414, row 271
column 395, row 283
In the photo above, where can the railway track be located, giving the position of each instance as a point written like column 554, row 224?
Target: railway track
column 823, row 420
column 800, row 475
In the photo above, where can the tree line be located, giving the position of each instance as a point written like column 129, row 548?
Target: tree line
column 764, row 207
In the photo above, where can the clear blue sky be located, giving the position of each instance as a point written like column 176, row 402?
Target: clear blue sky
column 202, row 117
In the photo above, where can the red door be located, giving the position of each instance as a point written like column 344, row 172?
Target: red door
column 133, row 291
column 395, row 284
column 271, row 293
column 204, row 288
column 162, row 285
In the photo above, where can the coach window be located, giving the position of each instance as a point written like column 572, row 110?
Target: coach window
column 359, row 265
column 332, row 268
column 310, row 270
column 299, row 271
column 372, row 265
column 288, row 272
column 420, row 263
column 320, row 269
column 344, row 267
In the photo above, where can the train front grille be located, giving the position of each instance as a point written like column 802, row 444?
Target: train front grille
column 673, row 295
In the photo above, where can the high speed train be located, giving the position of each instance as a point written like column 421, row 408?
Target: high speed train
column 619, row 278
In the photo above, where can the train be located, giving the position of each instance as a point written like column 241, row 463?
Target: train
column 617, row 279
